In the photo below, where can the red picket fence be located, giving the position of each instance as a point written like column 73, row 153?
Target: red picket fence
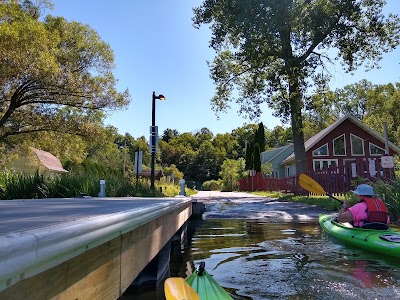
column 338, row 180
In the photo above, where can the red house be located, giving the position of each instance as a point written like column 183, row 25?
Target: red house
column 341, row 146
column 337, row 155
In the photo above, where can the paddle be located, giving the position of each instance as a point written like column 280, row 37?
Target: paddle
column 176, row 288
column 309, row 184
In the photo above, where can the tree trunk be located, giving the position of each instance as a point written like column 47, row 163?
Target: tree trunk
column 296, row 104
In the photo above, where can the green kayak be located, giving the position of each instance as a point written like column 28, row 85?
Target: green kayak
column 206, row 286
column 385, row 241
column 198, row 286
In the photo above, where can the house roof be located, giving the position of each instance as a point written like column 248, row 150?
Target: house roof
column 316, row 138
column 271, row 154
column 49, row 160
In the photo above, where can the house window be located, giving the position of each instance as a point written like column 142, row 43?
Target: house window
column 339, row 146
column 376, row 150
column 321, row 151
column 357, row 145
column 323, row 164
column 275, row 174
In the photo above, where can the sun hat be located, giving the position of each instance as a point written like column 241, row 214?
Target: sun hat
column 364, row 190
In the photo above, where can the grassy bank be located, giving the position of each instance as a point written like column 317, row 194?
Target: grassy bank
column 68, row 185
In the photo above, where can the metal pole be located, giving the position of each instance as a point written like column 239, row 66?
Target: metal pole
column 153, row 140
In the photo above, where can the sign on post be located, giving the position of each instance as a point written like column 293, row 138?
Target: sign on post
column 387, row 162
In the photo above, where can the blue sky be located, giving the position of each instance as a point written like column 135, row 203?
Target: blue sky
column 157, row 49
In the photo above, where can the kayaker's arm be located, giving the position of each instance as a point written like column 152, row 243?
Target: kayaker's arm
column 344, row 214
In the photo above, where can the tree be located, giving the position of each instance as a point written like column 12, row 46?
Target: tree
column 271, row 50
column 55, row 75
column 278, row 137
column 260, row 137
column 244, row 135
column 231, row 171
column 169, row 134
column 353, row 99
column 205, row 165
column 226, row 146
column 204, row 134
column 173, row 171
column 257, row 158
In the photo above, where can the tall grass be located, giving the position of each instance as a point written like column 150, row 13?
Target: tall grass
column 390, row 194
column 73, row 184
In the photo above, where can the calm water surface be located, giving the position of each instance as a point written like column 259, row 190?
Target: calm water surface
column 259, row 260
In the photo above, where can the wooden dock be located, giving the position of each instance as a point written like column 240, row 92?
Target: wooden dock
column 82, row 248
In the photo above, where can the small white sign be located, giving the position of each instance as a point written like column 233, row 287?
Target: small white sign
column 353, row 170
column 387, row 162
column 372, row 169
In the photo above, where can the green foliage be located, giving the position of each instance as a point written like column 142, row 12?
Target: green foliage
column 56, row 75
column 212, row 185
column 73, row 184
column 266, row 169
column 257, row 158
column 230, row 173
column 173, row 171
column 272, row 51
column 260, row 137
column 390, row 194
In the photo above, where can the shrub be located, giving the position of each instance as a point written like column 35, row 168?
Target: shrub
column 212, row 185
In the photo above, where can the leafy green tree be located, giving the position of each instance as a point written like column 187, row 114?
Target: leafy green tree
column 277, row 137
column 186, row 139
column 244, row 135
column 260, row 136
column 55, row 75
column 173, row 171
column 168, row 153
column 271, row 50
column 169, row 134
column 266, row 169
column 384, row 108
column 226, row 146
column 353, row 99
column 141, row 145
column 205, row 165
column 104, row 150
column 230, row 173
column 204, row 134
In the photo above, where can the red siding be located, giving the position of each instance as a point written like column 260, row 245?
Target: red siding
column 346, row 127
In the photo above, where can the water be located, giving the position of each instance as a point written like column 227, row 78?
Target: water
column 259, row 261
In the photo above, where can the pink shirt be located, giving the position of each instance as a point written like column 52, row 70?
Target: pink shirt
column 358, row 211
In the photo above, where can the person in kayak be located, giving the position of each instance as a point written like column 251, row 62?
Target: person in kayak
column 369, row 209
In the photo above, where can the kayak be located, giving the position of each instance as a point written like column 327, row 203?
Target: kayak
column 384, row 241
column 199, row 285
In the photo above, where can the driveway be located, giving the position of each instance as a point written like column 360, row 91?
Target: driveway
column 239, row 205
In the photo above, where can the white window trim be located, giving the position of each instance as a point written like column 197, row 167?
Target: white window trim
column 333, row 145
column 327, row 151
column 372, row 144
column 351, row 145
column 330, row 160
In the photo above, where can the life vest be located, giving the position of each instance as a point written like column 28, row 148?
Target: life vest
column 376, row 210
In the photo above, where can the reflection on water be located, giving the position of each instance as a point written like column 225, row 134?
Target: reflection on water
column 258, row 260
